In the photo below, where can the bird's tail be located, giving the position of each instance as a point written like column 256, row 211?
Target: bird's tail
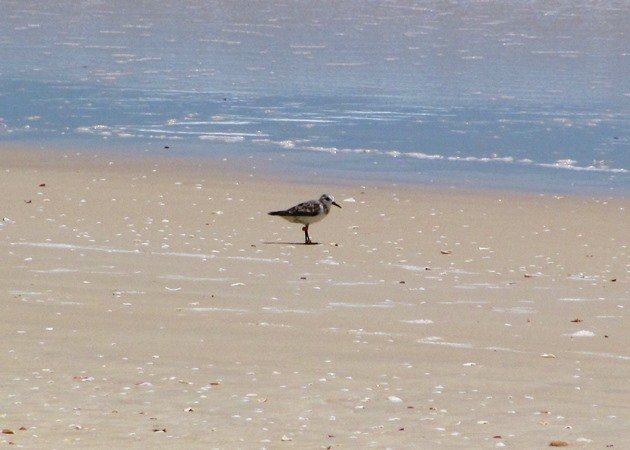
column 276, row 213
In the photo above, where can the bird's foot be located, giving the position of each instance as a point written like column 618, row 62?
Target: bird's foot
column 307, row 238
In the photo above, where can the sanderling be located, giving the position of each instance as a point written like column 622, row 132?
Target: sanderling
column 307, row 213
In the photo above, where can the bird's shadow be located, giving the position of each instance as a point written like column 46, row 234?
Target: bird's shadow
column 290, row 243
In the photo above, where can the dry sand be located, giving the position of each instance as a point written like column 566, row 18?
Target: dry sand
column 152, row 302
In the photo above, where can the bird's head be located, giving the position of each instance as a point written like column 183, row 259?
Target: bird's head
column 328, row 200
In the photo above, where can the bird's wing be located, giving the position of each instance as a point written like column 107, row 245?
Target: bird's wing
column 310, row 208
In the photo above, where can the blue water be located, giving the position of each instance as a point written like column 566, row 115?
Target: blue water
column 508, row 94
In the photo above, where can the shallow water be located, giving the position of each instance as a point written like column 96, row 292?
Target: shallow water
column 517, row 95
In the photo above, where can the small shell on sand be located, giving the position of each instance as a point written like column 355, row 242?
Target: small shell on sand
column 558, row 444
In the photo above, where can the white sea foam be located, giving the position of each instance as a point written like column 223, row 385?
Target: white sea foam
column 479, row 286
column 187, row 278
column 576, row 299
column 29, row 293
column 459, row 272
column 175, row 122
column 331, row 150
column 362, row 332
column 59, row 270
column 72, row 247
column 411, row 267
column 216, row 309
column 207, row 256
column 298, row 120
column 420, row 155
column 221, row 138
column 515, row 310
column 570, row 165
column 94, row 129
column 605, row 355
column 59, row 246
column 465, row 302
column 185, row 255
column 483, row 159
column 277, row 310
column 256, row 259
column 567, row 164
column 582, row 333
column 328, row 262
column 345, row 64
column 360, row 305
column 583, row 277
column 436, row 340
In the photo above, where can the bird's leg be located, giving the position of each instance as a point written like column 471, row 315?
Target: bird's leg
column 307, row 239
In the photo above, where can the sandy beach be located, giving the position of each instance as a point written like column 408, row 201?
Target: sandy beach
column 153, row 302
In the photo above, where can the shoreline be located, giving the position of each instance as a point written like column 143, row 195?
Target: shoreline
column 285, row 167
column 152, row 301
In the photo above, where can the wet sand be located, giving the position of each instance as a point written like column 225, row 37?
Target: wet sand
column 153, row 302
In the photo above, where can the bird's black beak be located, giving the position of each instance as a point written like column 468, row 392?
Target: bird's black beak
column 336, row 204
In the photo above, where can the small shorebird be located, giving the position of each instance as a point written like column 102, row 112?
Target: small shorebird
column 307, row 213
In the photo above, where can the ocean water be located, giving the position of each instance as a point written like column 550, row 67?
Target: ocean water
column 528, row 95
